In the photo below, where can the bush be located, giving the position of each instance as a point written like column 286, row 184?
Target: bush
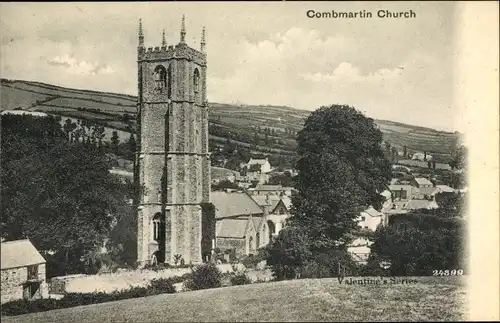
column 18, row 307
column 163, row 286
column 240, row 279
column 204, row 276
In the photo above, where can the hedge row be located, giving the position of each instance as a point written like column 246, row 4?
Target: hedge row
column 156, row 286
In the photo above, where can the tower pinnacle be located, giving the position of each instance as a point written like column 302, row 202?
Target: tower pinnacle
column 202, row 47
column 141, row 34
column 163, row 41
column 183, row 29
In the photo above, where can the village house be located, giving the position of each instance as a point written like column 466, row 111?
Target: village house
column 241, row 226
column 276, row 209
column 263, row 190
column 23, row 272
column 368, row 220
column 263, row 165
column 218, row 174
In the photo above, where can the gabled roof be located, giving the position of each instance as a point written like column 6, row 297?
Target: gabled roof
column 371, row 212
column 421, row 204
column 423, row 181
column 19, row 253
column 234, row 204
column 445, row 188
column 231, row 228
column 262, row 187
column 405, row 187
column 257, row 161
column 428, row 190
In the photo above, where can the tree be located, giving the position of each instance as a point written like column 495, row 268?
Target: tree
column 58, row 194
column 425, row 156
column 115, row 141
column 459, row 158
column 429, row 165
column 224, row 184
column 132, row 145
column 434, row 165
column 405, row 152
column 342, row 170
column 288, row 252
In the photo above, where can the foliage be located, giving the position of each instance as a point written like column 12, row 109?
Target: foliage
column 342, row 169
column 18, row 307
column 284, row 179
column 288, row 252
column 240, row 278
column 223, row 185
column 416, row 244
column 459, row 158
column 204, row 276
column 251, row 261
column 329, row 264
column 59, row 194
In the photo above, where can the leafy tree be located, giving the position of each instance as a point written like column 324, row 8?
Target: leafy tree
column 405, row 152
column 287, row 253
column 69, row 127
column 459, row 158
column 282, row 179
column 224, row 184
column 416, row 244
column 60, row 195
column 342, row 170
column 115, row 140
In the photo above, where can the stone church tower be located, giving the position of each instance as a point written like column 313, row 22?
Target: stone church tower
column 172, row 166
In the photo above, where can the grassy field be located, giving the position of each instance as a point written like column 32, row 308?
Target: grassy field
column 46, row 97
column 430, row 299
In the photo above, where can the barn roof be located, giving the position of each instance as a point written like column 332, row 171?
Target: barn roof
column 19, row 253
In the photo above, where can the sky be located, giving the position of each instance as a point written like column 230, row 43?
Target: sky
column 258, row 53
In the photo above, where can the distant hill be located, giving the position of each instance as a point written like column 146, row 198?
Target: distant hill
column 262, row 128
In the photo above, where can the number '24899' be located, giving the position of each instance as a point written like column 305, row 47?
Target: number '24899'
column 447, row 272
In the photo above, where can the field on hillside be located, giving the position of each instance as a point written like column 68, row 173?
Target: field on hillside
column 240, row 122
column 431, row 299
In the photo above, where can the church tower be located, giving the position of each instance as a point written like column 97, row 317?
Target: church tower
column 172, row 166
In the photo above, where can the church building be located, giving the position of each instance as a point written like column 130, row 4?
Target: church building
column 172, row 165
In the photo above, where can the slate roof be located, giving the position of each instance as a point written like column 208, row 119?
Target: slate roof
column 371, row 212
column 19, row 253
column 257, row 161
column 445, row 188
column 262, row 187
column 234, row 204
column 421, row 204
column 423, row 181
column 231, row 228
column 428, row 190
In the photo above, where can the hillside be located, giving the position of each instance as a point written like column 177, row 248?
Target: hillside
column 306, row 300
column 263, row 129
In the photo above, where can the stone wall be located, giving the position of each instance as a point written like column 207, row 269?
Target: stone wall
column 12, row 286
column 238, row 244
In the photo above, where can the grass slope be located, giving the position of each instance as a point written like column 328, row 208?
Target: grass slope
column 431, row 299
column 109, row 107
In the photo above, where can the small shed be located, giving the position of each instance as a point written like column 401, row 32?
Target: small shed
column 23, row 271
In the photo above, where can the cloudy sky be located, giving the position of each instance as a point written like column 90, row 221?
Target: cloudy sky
column 258, row 53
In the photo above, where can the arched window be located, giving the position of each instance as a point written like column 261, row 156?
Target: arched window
column 169, row 81
column 272, row 229
column 250, row 243
column 196, row 81
column 157, row 227
column 160, row 77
